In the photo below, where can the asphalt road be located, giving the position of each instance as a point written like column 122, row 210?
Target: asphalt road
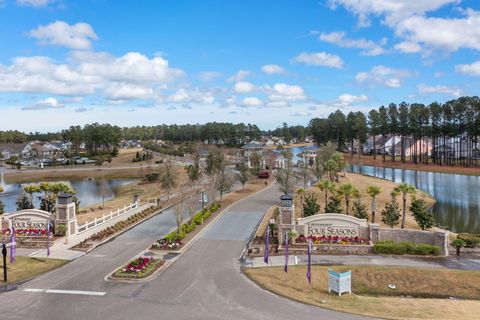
column 204, row 283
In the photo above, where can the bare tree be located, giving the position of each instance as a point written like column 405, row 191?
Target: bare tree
column 303, row 175
column 178, row 211
column 224, row 182
column 285, row 176
column 192, row 205
column 243, row 175
column 167, row 178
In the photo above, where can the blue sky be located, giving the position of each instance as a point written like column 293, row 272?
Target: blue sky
column 265, row 62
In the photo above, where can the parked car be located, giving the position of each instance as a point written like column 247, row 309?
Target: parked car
column 264, row 175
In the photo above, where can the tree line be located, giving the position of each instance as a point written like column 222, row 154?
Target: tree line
column 443, row 133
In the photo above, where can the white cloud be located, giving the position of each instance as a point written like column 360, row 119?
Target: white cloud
column 382, row 76
column 442, row 33
column 420, row 32
column 408, row 47
column 208, row 76
column 452, row 91
column 77, row 36
column 369, row 47
column 469, row 69
column 301, row 114
column 188, row 97
column 281, row 94
column 393, row 10
column 124, row 91
column 35, row 3
column 79, row 78
column 239, row 76
column 244, row 87
column 272, row 69
column 348, row 99
column 319, row 59
column 49, row 103
column 251, row 102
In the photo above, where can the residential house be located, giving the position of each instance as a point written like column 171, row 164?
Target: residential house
column 412, row 147
column 8, row 150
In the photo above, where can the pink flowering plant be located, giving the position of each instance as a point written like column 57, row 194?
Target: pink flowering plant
column 331, row 240
column 138, row 268
column 26, row 232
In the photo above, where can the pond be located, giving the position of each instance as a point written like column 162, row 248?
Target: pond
column 458, row 196
column 88, row 191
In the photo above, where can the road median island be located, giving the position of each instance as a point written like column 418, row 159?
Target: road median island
column 419, row 293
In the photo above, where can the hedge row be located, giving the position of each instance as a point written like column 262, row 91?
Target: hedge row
column 198, row 219
column 390, row 247
column 471, row 240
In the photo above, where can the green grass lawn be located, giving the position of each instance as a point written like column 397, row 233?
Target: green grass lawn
column 25, row 268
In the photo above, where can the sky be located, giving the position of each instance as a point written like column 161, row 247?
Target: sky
column 266, row 62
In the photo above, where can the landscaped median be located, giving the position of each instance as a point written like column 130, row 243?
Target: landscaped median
column 139, row 268
column 175, row 240
column 419, row 293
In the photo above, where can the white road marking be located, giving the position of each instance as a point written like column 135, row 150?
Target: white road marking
column 76, row 292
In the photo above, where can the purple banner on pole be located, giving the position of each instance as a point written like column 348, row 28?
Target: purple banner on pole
column 285, row 268
column 48, row 239
column 267, row 245
column 309, row 266
column 12, row 246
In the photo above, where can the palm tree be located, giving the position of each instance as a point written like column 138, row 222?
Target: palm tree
column 326, row 186
column 373, row 192
column 405, row 190
column 347, row 190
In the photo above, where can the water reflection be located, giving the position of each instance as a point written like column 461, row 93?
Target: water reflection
column 89, row 192
column 458, row 204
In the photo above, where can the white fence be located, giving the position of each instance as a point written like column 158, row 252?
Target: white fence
column 99, row 221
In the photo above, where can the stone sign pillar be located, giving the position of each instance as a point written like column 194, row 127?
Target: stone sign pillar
column 66, row 214
column 286, row 216
column 440, row 238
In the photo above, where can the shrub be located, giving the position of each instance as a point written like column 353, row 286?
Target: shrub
column 390, row 247
column 471, row 240
column 61, row 230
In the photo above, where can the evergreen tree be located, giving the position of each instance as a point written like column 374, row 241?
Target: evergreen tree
column 421, row 214
column 24, row 202
column 391, row 212
column 333, row 205
column 310, row 205
column 359, row 210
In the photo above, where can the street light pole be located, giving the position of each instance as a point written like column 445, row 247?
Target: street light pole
column 4, row 253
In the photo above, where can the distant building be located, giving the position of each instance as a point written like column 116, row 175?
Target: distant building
column 8, row 150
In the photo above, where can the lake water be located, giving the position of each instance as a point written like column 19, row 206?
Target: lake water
column 458, row 196
column 88, row 191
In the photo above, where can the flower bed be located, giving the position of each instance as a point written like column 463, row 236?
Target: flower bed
column 332, row 240
column 139, row 268
column 173, row 240
column 27, row 232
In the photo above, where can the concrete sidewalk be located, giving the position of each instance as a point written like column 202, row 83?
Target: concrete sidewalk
column 61, row 250
column 451, row 262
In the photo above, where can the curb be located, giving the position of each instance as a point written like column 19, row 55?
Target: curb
column 185, row 248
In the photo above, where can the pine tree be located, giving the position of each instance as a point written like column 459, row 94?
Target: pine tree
column 333, row 205
column 421, row 214
column 359, row 210
column 391, row 213
column 24, row 202
column 310, row 205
